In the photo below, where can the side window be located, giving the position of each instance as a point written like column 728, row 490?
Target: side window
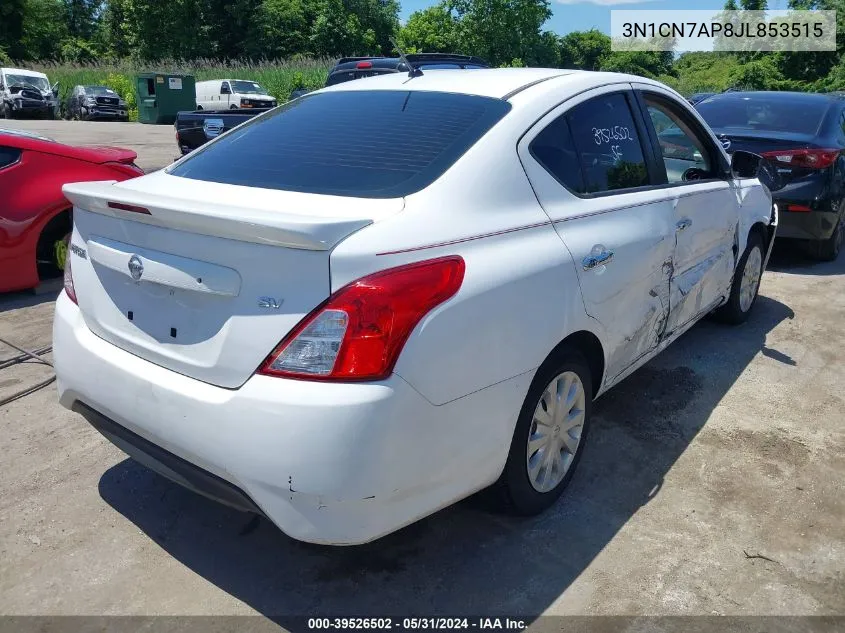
column 608, row 145
column 9, row 156
column 554, row 149
column 685, row 155
column 225, row 89
column 594, row 147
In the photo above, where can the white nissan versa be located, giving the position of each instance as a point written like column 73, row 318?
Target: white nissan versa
column 386, row 295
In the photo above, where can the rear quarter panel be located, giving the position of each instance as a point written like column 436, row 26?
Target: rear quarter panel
column 520, row 296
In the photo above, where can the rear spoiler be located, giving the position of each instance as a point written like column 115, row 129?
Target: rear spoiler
column 310, row 231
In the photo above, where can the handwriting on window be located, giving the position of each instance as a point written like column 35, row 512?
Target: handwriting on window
column 602, row 135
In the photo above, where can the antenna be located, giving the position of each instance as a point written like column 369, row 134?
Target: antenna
column 413, row 71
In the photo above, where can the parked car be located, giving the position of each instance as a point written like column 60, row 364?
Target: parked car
column 193, row 129
column 231, row 94
column 803, row 134
column 35, row 217
column 375, row 300
column 699, row 96
column 87, row 103
column 27, row 93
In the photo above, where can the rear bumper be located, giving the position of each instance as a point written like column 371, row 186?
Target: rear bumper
column 327, row 463
column 806, row 225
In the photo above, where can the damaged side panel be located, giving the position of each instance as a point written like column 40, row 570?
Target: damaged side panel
column 630, row 293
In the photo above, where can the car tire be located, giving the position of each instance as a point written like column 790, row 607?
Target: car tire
column 199, row 108
column 828, row 250
column 4, row 113
column 746, row 283
column 544, row 453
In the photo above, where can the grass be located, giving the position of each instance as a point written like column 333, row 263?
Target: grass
column 279, row 77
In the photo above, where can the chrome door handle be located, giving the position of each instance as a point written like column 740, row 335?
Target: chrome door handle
column 597, row 259
column 683, row 224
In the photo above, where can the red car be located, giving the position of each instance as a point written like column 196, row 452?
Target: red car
column 35, row 217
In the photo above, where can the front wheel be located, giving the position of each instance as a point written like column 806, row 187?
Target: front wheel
column 746, row 283
column 549, row 437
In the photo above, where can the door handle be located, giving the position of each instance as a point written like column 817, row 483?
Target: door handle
column 595, row 259
column 683, row 224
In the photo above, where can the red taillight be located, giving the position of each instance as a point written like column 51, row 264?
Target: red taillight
column 68, row 278
column 364, row 65
column 798, row 208
column 358, row 333
column 807, row 158
column 129, row 207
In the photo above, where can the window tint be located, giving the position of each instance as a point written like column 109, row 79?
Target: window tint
column 378, row 143
column 680, row 146
column 554, row 149
column 608, row 144
column 749, row 111
column 9, row 156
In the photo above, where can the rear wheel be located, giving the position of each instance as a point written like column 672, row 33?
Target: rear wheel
column 199, row 107
column 746, row 283
column 828, row 250
column 549, row 437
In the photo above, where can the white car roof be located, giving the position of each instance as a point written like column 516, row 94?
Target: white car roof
column 487, row 82
column 24, row 71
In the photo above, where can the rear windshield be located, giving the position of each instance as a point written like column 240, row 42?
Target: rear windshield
column 802, row 116
column 373, row 144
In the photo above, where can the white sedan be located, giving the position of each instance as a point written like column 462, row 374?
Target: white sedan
column 382, row 297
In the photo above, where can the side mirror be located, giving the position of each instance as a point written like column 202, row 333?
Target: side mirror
column 745, row 164
column 55, row 89
column 748, row 165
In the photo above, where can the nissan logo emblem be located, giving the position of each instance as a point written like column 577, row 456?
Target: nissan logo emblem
column 726, row 143
column 136, row 267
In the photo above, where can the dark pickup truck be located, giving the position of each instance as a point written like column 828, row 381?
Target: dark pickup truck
column 196, row 128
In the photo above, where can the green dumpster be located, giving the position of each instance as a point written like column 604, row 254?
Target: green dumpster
column 160, row 96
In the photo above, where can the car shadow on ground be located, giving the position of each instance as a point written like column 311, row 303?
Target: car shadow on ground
column 464, row 560
column 792, row 257
column 29, row 298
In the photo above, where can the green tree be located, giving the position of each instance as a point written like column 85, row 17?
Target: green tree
column 584, row 50
column 12, row 14
column 431, row 30
column 501, row 31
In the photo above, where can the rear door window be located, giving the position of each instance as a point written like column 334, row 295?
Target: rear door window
column 364, row 143
column 595, row 147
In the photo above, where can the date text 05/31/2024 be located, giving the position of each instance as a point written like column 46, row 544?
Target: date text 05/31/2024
column 414, row 624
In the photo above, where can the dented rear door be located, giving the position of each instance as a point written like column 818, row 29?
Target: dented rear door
column 586, row 163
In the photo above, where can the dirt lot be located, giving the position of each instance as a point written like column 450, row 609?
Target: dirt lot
column 714, row 483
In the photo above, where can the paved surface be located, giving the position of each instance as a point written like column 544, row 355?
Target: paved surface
column 713, row 483
column 155, row 144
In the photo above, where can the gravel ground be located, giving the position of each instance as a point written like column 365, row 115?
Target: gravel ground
column 713, row 483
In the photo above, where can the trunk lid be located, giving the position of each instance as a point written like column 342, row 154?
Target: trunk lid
column 202, row 278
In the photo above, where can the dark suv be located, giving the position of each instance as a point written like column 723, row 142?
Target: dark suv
column 349, row 68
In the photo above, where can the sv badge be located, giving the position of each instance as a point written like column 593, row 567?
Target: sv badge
column 269, row 302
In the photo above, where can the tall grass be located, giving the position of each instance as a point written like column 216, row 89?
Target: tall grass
column 279, row 77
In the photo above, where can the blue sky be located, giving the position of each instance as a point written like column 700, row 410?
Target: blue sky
column 576, row 15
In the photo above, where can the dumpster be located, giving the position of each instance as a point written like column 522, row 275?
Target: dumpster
column 160, row 96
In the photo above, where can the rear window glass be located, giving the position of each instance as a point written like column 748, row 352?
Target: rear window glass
column 802, row 116
column 380, row 144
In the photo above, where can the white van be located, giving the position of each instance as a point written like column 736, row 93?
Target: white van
column 230, row 94
column 27, row 93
